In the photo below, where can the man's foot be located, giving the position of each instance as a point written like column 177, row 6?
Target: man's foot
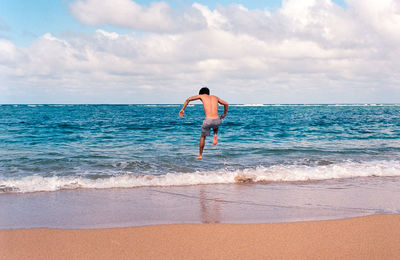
column 215, row 140
column 199, row 157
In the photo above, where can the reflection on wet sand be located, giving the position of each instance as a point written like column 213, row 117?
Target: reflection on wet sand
column 210, row 208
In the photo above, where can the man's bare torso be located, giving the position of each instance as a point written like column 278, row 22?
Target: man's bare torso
column 210, row 104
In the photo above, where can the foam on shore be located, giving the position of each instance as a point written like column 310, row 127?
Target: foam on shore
column 275, row 173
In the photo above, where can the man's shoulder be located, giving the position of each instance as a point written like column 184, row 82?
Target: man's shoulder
column 208, row 96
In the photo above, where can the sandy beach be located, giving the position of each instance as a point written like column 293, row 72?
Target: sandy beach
column 372, row 237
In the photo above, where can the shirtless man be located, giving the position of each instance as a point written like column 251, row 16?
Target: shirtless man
column 212, row 120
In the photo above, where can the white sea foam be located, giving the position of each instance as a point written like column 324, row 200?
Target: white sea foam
column 276, row 173
column 248, row 105
column 161, row 105
column 365, row 105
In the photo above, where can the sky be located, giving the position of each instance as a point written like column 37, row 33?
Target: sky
column 251, row 52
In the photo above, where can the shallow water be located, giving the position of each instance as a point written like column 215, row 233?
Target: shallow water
column 215, row 203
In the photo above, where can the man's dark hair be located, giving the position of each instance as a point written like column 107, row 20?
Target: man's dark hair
column 204, row 91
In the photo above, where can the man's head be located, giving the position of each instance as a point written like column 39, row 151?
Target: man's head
column 204, row 90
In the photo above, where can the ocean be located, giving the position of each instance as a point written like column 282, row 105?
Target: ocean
column 54, row 147
column 75, row 148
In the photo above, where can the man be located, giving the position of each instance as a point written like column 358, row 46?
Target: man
column 212, row 120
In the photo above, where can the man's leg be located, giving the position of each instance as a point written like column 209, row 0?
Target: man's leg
column 215, row 141
column 202, row 142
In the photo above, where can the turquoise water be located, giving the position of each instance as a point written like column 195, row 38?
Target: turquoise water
column 53, row 147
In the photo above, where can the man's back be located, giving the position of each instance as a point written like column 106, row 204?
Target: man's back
column 210, row 104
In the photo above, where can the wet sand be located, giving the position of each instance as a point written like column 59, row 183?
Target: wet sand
column 372, row 237
column 201, row 204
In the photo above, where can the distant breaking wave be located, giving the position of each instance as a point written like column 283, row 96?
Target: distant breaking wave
column 234, row 105
column 315, row 105
column 276, row 173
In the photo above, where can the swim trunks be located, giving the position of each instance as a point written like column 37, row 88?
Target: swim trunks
column 209, row 123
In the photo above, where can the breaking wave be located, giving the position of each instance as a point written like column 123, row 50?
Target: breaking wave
column 275, row 173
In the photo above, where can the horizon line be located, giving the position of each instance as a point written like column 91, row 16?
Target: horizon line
column 259, row 104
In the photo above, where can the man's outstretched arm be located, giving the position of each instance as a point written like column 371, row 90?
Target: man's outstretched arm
column 182, row 112
column 226, row 105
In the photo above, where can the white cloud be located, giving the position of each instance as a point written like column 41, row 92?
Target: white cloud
column 158, row 17
column 306, row 51
column 8, row 51
column 123, row 13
